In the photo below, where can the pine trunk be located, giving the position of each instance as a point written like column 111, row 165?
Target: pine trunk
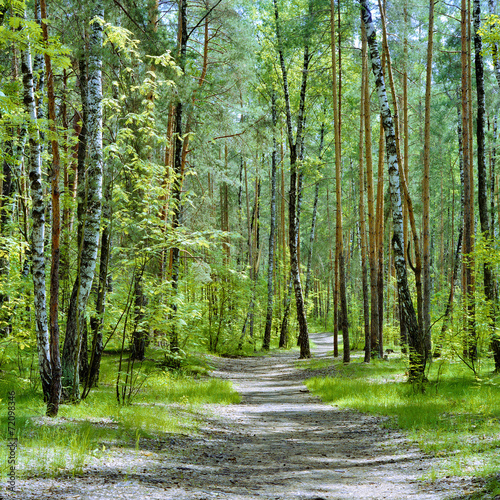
column 343, row 321
column 362, row 221
column 55, row 391
column 426, row 225
column 272, row 232
column 467, row 247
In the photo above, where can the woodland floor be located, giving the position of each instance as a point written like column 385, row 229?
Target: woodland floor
column 278, row 443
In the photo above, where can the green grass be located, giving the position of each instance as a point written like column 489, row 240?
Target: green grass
column 457, row 417
column 164, row 403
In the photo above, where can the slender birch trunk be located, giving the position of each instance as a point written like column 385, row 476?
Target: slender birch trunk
column 417, row 351
column 92, row 215
column 295, row 147
column 38, row 229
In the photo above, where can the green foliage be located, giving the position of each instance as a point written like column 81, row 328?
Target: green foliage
column 457, row 417
column 168, row 403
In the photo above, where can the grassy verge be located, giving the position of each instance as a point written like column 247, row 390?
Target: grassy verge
column 165, row 403
column 457, row 417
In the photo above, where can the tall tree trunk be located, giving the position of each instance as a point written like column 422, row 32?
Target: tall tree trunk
column 416, row 343
column 92, row 215
column 38, row 229
column 482, row 187
column 417, row 269
column 374, row 325
column 426, row 224
column 294, row 148
column 55, row 390
column 379, row 242
column 272, row 231
column 177, row 186
column 338, row 184
column 362, row 221
column 467, row 247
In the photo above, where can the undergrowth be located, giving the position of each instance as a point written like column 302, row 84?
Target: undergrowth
column 457, row 416
column 165, row 403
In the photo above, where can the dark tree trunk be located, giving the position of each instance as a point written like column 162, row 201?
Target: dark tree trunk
column 139, row 334
column 295, row 150
column 272, row 233
column 177, row 187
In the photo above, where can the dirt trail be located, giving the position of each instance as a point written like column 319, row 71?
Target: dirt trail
column 279, row 443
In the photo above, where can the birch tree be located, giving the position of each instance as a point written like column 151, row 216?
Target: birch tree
column 415, row 337
column 294, row 144
column 37, row 249
column 91, row 190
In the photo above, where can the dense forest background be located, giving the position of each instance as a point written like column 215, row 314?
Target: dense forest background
column 192, row 175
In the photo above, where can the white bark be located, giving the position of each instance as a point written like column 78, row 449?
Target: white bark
column 417, row 358
column 38, row 218
column 92, row 214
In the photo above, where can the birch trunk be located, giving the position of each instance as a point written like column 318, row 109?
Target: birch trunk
column 294, row 146
column 38, row 229
column 92, row 215
column 416, row 344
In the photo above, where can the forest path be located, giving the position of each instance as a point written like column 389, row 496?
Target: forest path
column 280, row 442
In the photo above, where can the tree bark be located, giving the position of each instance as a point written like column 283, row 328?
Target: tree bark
column 55, row 390
column 482, row 188
column 426, row 225
column 417, row 351
column 374, row 325
column 92, row 215
column 272, row 232
column 294, row 148
column 343, row 318
column 38, row 229
column 362, row 221
column 467, row 247
column 177, row 186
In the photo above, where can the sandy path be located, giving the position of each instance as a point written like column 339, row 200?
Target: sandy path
column 279, row 443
